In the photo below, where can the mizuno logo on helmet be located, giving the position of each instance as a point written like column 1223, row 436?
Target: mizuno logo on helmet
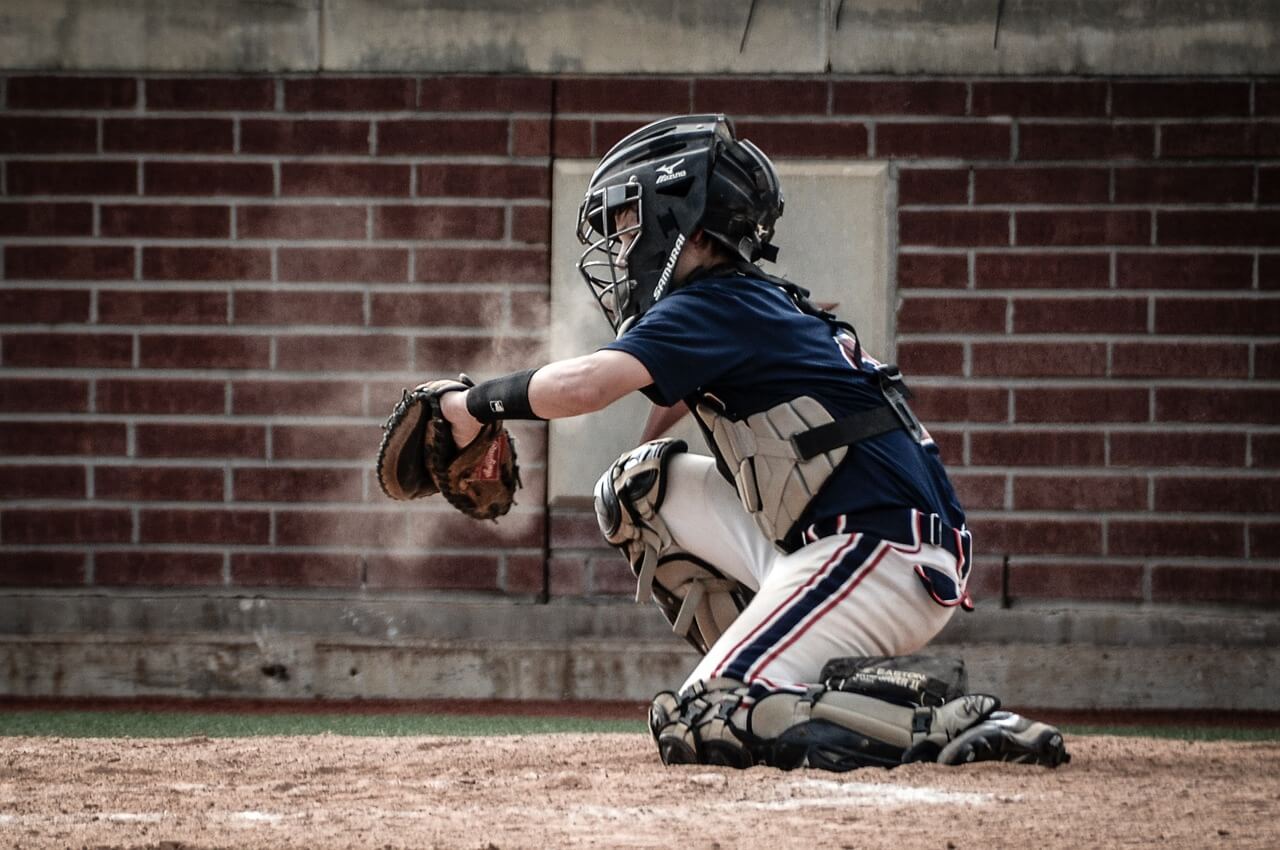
column 668, row 172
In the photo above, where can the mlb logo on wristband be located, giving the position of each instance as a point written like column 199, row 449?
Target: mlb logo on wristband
column 497, row 407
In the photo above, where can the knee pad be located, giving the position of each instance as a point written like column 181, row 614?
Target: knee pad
column 696, row 598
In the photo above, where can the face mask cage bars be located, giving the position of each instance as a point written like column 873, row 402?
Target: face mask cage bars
column 603, row 264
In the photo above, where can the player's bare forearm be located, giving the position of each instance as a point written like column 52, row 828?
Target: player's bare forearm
column 564, row 388
column 661, row 420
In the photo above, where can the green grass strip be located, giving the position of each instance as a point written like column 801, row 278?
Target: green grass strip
column 135, row 724
column 125, row 724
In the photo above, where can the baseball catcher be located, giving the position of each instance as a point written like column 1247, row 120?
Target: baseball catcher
column 825, row 526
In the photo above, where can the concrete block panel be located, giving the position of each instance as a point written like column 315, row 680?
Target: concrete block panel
column 1063, row 37
column 833, row 239
column 575, row 36
column 216, row 35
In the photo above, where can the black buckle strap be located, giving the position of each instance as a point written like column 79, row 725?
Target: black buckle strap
column 845, row 432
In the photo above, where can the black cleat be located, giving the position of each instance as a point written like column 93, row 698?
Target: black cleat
column 1005, row 736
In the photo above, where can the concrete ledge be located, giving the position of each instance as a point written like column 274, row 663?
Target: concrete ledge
column 1105, row 657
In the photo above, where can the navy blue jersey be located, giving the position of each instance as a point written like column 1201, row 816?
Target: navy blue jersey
column 744, row 342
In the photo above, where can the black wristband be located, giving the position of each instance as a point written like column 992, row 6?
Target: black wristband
column 502, row 398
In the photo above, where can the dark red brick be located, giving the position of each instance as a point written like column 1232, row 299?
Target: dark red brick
column 343, row 265
column 205, row 221
column 167, row 135
column 657, row 95
column 951, row 315
column 1158, row 99
column 278, row 569
column 1040, row 448
column 43, row 395
column 1215, row 494
column 49, row 92
column 1269, row 271
column 299, row 308
column 1042, row 271
column 1196, row 185
column 928, row 140
column 99, row 177
column 158, row 484
column 953, row 229
column 240, row 94
column 42, row 568
column 978, row 490
column 1112, row 582
column 759, row 96
column 70, row 350
column 530, row 137
column 341, row 528
column 77, row 437
column 505, row 353
column 150, row 568
column 82, row 525
column 45, row 306
column 1024, row 536
column 518, row 529
column 1180, row 538
column 203, row 352
column 433, row 572
column 1219, row 141
column 531, row 224
column 175, row 263
column 1080, row 315
column 933, row 186
column 961, row 404
column 1039, row 360
column 1041, row 186
column 293, row 485
column 931, row 358
column 126, row 307
column 1083, row 404
column 898, row 97
column 68, row 262
column 1200, row 584
column 484, row 181
column 490, row 265
column 439, row 221
column 525, row 574
column 302, row 138
column 1264, row 450
column 1217, row 316
column 1184, row 271
column 321, row 442
column 485, row 94
column 1086, row 141
column 433, row 309
column 33, row 219
column 1079, row 493
column 572, row 138
column 48, row 135
column 1238, row 406
column 1264, row 540
column 1220, row 227
column 1269, row 185
column 1267, row 98
column 42, row 482
column 201, row 441
column 173, row 525
column 338, row 398
column 466, row 137
column 213, row 179
column 801, row 138
column 566, row 575
column 345, row 179
column 1171, row 448
column 933, row 271
column 160, row 396
column 342, row 94
column 296, row 221
column 1094, row 227
column 342, row 352
column 1186, row 360
column 1050, row 99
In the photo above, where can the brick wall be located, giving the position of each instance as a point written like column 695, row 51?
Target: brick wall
column 213, row 289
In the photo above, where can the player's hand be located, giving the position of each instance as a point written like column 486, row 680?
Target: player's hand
column 465, row 426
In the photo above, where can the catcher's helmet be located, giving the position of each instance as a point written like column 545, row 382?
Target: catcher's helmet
column 671, row 178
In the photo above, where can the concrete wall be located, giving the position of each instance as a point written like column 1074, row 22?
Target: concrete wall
column 648, row 36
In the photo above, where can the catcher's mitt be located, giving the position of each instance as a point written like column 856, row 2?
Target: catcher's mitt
column 419, row 458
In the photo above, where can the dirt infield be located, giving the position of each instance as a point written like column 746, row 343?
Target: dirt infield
column 610, row 791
